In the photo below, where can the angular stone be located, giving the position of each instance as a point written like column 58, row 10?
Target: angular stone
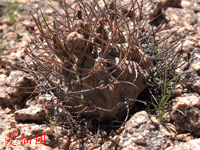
column 193, row 144
column 185, row 114
column 141, row 132
column 11, row 93
column 33, row 113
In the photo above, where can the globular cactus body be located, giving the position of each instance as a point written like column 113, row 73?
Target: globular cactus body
column 94, row 59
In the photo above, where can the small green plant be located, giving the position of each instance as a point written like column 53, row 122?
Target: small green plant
column 12, row 9
column 160, row 105
column 2, row 48
column 163, row 78
column 54, row 119
column 167, row 87
column 53, row 123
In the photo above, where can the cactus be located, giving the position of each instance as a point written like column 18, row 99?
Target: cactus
column 95, row 57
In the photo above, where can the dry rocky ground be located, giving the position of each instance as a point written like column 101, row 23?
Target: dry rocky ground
column 24, row 115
